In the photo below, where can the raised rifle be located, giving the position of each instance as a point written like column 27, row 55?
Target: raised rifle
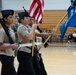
column 11, row 41
column 24, row 9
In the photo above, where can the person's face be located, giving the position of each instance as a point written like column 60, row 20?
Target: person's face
column 26, row 20
column 16, row 20
column 9, row 20
column 31, row 21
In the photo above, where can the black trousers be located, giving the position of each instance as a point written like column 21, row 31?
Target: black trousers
column 7, row 65
column 42, row 65
column 25, row 64
column 36, row 64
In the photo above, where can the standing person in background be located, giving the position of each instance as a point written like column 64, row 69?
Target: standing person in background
column 70, row 37
column 7, row 53
column 37, row 59
column 74, row 38
column 15, row 26
column 24, row 55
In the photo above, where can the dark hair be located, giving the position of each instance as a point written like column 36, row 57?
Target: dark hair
column 4, row 17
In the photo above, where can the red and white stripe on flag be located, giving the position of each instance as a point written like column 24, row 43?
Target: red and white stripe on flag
column 36, row 10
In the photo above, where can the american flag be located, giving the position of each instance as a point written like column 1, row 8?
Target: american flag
column 36, row 10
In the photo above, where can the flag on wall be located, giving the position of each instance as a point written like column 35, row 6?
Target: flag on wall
column 36, row 10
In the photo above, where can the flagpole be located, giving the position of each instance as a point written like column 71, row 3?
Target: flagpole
column 61, row 20
column 33, row 42
column 55, row 30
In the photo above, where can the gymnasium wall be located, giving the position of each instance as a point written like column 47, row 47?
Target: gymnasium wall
column 49, row 4
column 54, row 10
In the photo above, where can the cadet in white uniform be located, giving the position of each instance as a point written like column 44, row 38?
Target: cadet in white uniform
column 6, row 49
column 24, row 53
column 37, row 59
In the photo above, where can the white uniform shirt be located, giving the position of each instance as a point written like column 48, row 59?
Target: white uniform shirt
column 4, row 39
column 22, row 31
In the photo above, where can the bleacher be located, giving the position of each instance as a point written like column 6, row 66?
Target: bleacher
column 51, row 19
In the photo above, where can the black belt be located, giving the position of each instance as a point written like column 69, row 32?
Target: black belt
column 29, row 47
